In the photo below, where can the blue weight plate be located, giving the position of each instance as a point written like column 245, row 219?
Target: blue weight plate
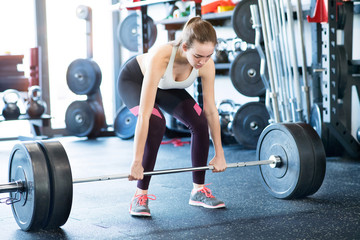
column 83, row 76
column 28, row 164
column 80, row 118
column 125, row 123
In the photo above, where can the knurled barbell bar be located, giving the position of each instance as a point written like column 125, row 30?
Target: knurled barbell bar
column 41, row 184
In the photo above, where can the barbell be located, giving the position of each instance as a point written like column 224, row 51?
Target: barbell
column 40, row 183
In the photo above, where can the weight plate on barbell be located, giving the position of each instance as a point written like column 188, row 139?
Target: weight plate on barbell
column 242, row 22
column 245, row 74
column 128, row 32
column 80, row 118
column 249, row 121
column 125, row 123
column 60, row 183
column 27, row 164
column 291, row 143
column 83, row 76
column 319, row 159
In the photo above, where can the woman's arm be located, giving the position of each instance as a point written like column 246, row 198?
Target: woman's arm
column 207, row 74
column 153, row 74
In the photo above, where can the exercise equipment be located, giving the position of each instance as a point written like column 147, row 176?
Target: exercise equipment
column 11, row 110
column 249, row 121
column 290, row 158
column 85, row 118
column 127, row 32
column 245, row 74
column 83, row 76
column 241, row 21
column 35, row 106
column 125, row 123
column 227, row 109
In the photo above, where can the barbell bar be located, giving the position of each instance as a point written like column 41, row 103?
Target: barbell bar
column 274, row 161
column 40, row 183
column 19, row 186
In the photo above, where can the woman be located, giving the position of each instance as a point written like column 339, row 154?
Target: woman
column 158, row 80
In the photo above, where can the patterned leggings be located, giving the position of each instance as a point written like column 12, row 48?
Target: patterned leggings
column 176, row 102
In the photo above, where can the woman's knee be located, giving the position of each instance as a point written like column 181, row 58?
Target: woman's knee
column 157, row 124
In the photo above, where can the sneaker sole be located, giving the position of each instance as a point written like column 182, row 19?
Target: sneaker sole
column 140, row 214
column 201, row 204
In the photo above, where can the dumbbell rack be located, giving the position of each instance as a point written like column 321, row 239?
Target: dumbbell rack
column 21, row 84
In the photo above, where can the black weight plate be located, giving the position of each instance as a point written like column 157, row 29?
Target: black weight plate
column 245, row 74
column 125, row 123
column 27, row 164
column 249, row 121
column 60, row 181
column 80, row 118
column 319, row 159
column 128, row 32
column 291, row 144
column 83, row 76
column 241, row 21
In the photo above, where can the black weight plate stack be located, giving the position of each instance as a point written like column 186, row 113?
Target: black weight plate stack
column 249, row 121
column 60, row 181
column 245, row 74
column 291, row 143
column 125, row 123
column 80, row 118
column 241, row 21
column 83, row 76
column 128, row 32
column 319, row 159
column 27, row 164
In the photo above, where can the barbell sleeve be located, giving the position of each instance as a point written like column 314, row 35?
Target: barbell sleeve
column 11, row 187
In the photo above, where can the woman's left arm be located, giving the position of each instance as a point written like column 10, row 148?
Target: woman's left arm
column 207, row 74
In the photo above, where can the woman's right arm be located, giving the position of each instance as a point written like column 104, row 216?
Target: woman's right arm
column 155, row 70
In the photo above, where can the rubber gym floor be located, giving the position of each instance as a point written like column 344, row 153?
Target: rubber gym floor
column 100, row 209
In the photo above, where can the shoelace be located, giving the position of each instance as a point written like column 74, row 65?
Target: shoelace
column 141, row 198
column 207, row 191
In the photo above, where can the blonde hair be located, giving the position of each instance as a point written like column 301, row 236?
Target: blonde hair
column 197, row 29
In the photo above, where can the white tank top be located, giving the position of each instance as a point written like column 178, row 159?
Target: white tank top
column 168, row 82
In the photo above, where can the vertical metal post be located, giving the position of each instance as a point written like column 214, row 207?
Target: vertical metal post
column 265, row 31
column 288, row 63
column 117, row 58
column 293, row 59
column 330, row 88
column 41, row 42
column 283, row 45
column 89, row 35
column 303, row 55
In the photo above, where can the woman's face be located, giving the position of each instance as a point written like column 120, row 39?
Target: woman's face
column 199, row 53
